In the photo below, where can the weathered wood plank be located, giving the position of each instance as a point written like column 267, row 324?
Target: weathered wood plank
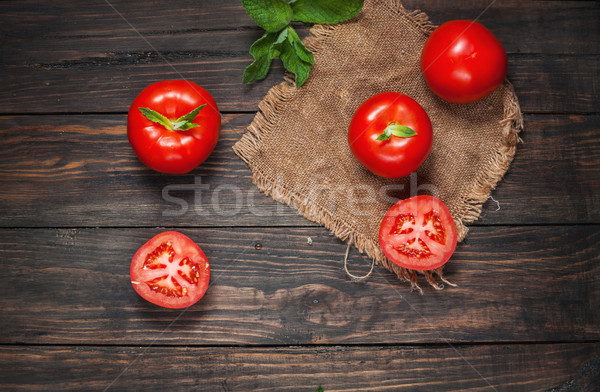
column 555, row 172
column 82, row 171
column 551, row 27
column 511, row 368
column 61, row 58
column 566, row 26
column 268, row 286
column 64, row 171
column 544, row 83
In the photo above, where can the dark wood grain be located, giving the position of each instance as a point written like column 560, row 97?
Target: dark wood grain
column 64, row 171
column 499, row 368
column 554, row 177
column 550, row 27
column 280, row 314
column 544, row 83
column 72, row 286
column 75, row 59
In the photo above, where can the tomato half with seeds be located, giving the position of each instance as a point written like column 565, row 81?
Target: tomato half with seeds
column 170, row 271
column 418, row 233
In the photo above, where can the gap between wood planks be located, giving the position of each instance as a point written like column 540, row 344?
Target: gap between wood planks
column 315, row 345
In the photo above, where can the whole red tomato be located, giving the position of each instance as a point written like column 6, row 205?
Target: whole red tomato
column 173, row 126
column 390, row 134
column 462, row 61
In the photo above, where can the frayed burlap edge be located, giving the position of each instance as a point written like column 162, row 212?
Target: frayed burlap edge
column 276, row 102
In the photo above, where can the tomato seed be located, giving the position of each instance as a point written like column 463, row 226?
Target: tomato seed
column 440, row 234
column 170, row 288
column 400, row 221
column 151, row 259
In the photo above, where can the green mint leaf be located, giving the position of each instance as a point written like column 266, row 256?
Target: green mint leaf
column 325, row 11
column 263, row 50
column 303, row 53
column 189, row 117
column 319, row 389
column 292, row 59
column 401, row 130
column 187, row 125
column 275, row 48
column 258, row 70
column 262, row 46
column 157, row 118
column 302, row 72
column 271, row 15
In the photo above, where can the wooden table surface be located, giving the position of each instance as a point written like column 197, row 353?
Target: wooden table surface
column 280, row 314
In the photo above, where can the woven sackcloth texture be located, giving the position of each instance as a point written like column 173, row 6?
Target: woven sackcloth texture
column 297, row 147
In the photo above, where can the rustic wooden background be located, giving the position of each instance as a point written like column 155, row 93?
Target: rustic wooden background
column 280, row 314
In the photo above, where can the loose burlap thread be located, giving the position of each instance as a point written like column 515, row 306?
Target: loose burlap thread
column 297, row 147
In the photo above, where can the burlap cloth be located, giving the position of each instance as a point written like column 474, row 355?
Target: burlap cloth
column 297, row 148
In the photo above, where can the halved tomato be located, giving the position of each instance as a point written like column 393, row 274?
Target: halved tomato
column 418, row 233
column 170, row 271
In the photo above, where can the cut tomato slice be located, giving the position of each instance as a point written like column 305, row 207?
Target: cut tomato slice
column 170, row 270
column 418, row 233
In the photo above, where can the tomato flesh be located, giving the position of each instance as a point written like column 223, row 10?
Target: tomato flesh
column 418, row 233
column 170, row 270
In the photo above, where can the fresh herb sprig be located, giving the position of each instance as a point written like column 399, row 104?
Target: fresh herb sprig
column 280, row 38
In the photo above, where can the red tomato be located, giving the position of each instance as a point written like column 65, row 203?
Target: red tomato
column 390, row 134
column 170, row 270
column 418, row 233
column 462, row 61
column 163, row 138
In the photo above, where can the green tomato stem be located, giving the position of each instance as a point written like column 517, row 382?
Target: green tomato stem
column 183, row 123
column 397, row 130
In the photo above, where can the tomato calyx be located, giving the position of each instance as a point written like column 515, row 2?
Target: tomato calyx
column 183, row 123
column 396, row 129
